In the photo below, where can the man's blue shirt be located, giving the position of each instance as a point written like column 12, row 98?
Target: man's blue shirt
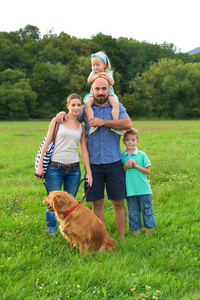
column 103, row 145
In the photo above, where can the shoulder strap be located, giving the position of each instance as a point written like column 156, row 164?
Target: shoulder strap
column 55, row 131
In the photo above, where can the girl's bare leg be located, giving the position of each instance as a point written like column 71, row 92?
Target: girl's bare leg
column 115, row 107
column 115, row 112
column 88, row 108
column 90, row 113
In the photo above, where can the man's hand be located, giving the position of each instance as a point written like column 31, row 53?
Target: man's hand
column 121, row 124
column 61, row 117
column 89, row 179
column 96, row 122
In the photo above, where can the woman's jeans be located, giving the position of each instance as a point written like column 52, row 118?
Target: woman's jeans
column 54, row 180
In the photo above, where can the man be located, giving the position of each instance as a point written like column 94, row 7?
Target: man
column 104, row 152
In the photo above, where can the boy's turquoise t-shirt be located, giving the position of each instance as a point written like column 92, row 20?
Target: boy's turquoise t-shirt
column 136, row 181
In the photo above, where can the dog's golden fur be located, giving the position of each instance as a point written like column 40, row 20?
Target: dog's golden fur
column 81, row 227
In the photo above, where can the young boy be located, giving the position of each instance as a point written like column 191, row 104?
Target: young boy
column 136, row 166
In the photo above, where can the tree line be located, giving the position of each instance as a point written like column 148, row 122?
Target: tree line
column 37, row 74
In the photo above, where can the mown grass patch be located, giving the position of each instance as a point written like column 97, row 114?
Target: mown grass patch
column 165, row 265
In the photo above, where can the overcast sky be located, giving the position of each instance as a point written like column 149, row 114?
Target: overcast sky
column 154, row 21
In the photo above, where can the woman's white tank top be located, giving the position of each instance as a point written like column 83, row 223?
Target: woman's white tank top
column 66, row 145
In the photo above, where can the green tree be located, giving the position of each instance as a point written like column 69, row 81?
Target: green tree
column 195, row 57
column 149, row 87
column 50, row 82
column 133, row 106
column 169, row 89
column 12, row 55
column 11, row 76
column 79, row 74
column 59, row 65
column 50, row 54
column 17, row 100
column 30, row 32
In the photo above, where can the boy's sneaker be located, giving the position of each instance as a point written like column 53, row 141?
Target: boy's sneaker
column 92, row 130
column 120, row 132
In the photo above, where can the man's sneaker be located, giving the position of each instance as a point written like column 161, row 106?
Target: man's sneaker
column 92, row 130
column 120, row 132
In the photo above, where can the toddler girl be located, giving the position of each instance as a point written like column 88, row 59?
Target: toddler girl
column 101, row 67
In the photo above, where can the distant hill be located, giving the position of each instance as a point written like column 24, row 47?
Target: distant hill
column 194, row 51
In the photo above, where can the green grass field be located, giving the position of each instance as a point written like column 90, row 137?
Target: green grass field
column 165, row 265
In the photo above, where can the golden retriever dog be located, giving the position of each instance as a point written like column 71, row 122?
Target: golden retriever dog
column 78, row 224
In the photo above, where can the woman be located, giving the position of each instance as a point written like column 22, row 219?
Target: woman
column 64, row 166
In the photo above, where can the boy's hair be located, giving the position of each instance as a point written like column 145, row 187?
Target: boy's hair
column 132, row 131
column 73, row 96
column 108, row 65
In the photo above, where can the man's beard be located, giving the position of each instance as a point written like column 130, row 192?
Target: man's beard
column 101, row 99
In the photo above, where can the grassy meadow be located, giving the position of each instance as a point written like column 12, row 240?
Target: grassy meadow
column 165, row 265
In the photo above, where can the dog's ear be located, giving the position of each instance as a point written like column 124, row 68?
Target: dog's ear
column 59, row 202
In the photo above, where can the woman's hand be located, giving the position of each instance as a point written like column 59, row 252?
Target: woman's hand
column 39, row 173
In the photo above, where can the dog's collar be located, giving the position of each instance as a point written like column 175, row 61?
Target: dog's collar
column 71, row 209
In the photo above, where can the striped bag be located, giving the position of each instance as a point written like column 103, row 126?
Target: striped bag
column 49, row 151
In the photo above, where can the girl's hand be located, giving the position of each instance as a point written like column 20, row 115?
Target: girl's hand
column 105, row 77
column 101, row 74
column 98, row 75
